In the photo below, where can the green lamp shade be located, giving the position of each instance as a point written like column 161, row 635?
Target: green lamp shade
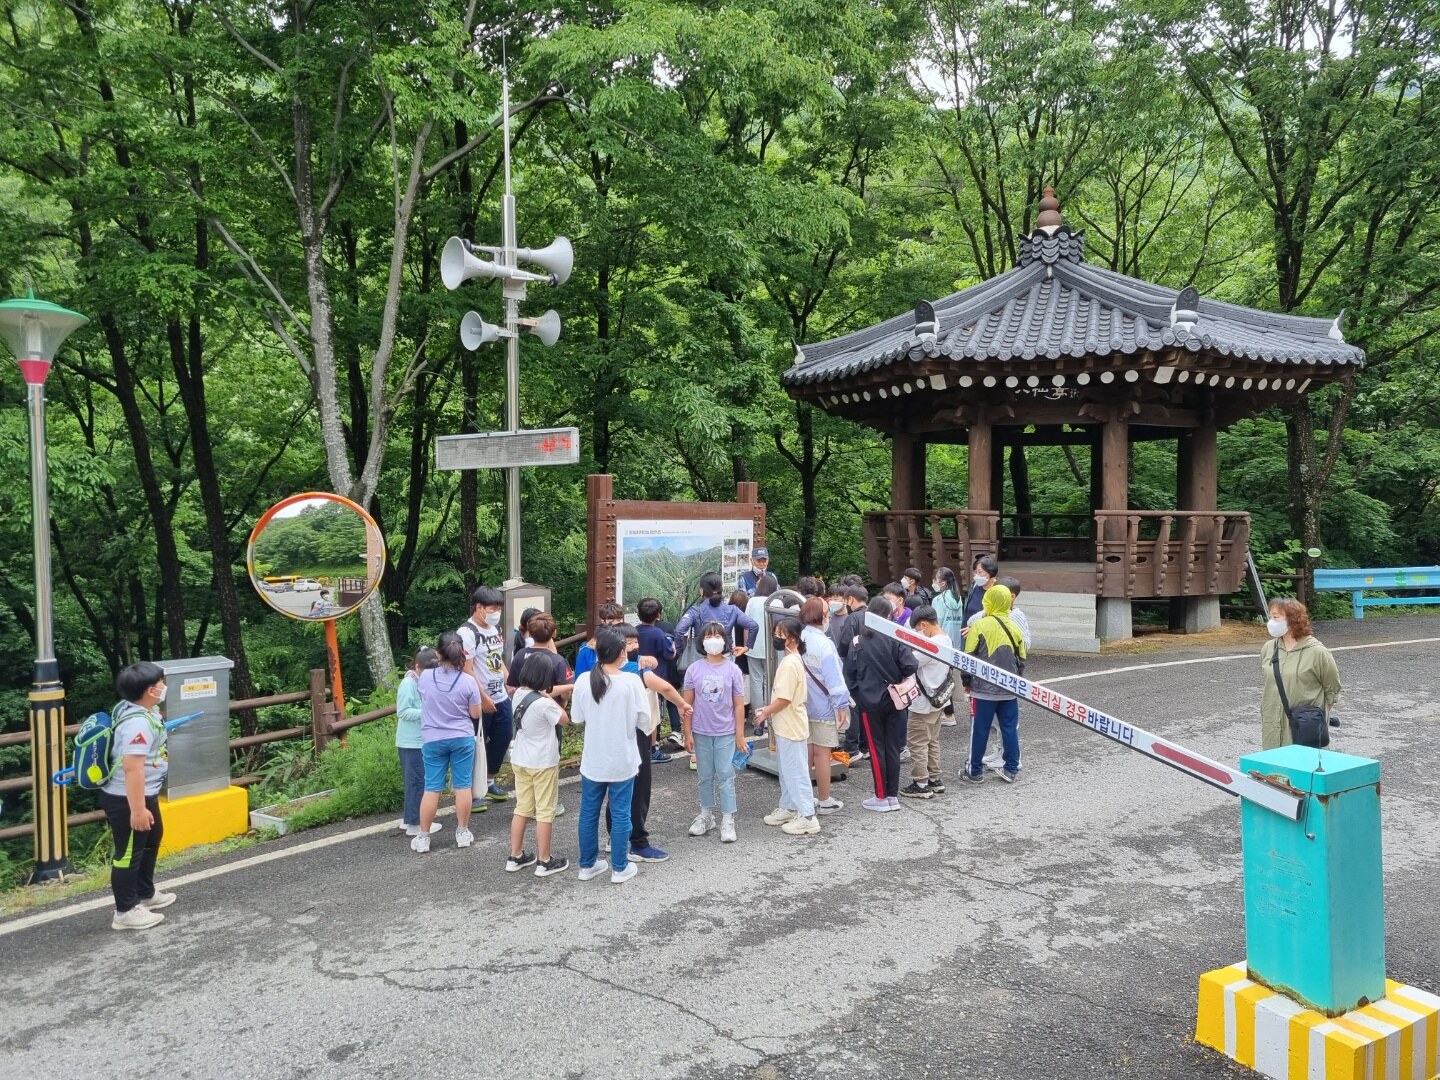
column 35, row 329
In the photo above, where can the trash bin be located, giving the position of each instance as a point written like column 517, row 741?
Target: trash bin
column 200, row 749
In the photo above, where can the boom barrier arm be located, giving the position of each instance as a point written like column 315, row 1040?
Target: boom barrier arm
column 1229, row 780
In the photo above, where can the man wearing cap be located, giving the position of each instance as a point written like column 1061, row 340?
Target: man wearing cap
column 759, row 565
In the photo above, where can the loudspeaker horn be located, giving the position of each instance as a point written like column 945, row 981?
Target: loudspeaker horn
column 547, row 327
column 475, row 331
column 558, row 257
column 458, row 264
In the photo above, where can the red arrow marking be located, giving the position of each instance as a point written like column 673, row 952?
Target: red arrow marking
column 920, row 641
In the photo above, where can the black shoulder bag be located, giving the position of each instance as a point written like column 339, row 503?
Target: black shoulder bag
column 1307, row 722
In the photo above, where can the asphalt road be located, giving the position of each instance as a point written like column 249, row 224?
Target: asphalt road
column 1053, row 929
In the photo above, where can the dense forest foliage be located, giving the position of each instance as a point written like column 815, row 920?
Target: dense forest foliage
column 249, row 200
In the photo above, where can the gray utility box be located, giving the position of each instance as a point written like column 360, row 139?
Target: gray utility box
column 200, row 749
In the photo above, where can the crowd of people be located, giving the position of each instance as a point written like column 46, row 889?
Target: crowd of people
column 840, row 692
column 816, row 686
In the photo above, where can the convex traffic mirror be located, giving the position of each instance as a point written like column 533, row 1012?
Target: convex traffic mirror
column 315, row 556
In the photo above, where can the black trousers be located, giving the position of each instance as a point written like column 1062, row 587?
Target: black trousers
column 639, row 797
column 885, row 729
column 132, row 870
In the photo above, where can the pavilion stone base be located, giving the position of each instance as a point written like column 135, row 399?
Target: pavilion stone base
column 1112, row 618
column 1199, row 613
column 1060, row 621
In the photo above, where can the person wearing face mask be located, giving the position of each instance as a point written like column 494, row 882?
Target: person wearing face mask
column 895, row 594
column 916, row 595
column 827, row 701
column 1307, row 669
column 715, row 690
column 983, row 573
column 485, row 660
column 852, row 621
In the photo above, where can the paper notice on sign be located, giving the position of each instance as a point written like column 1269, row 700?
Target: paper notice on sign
column 191, row 689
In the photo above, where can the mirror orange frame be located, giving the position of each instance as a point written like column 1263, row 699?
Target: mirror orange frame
column 375, row 557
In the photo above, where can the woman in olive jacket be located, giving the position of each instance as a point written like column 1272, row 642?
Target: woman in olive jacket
column 1309, row 672
column 873, row 662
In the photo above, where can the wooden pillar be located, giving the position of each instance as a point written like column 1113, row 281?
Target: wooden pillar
column 981, row 451
column 907, row 473
column 1205, row 463
column 999, row 439
column 1115, row 474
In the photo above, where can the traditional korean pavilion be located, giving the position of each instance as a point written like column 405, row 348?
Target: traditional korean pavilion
column 1057, row 351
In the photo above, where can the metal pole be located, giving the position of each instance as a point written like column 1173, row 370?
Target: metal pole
column 514, row 294
column 47, row 693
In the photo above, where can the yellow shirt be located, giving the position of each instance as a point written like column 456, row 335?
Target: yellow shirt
column 791, row 722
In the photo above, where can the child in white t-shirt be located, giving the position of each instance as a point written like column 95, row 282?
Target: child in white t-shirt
column 535, row 760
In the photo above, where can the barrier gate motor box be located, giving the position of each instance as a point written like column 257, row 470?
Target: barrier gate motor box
column 200, row 749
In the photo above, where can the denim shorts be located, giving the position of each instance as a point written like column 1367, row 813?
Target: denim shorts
column 456, row 754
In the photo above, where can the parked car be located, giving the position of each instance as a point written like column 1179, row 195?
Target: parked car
column 306, row 584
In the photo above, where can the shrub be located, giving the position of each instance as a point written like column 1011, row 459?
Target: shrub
column 365, row 773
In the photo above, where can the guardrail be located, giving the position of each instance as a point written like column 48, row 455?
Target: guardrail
column 1357, row 582
column 325, row 724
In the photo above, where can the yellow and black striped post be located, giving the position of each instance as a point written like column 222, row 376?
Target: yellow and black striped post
column 47, row 757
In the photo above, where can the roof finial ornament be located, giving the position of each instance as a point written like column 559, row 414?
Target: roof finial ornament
column 1049, row 210
column 927, row 323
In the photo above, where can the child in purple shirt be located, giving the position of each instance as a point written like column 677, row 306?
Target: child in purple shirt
column 715, row 690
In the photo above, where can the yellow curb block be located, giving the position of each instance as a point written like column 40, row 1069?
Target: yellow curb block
column 203, row 819
column 1395, row 1037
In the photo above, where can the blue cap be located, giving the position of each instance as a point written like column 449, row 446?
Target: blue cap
column 760, row 553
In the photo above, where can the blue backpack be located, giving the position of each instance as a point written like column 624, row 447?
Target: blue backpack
column 94, row 748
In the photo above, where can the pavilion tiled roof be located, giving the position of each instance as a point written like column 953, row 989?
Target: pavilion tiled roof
column 1054, row 305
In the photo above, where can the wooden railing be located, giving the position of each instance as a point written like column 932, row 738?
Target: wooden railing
column 895, row 539
column 325, row 724
column 1155, row 553
column 1131, row 553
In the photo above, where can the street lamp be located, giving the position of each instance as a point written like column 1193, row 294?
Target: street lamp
column 34, row 330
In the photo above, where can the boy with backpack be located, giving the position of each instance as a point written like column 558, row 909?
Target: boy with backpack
column 130, row 796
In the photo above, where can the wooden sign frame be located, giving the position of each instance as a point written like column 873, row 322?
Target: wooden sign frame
column 604, row 513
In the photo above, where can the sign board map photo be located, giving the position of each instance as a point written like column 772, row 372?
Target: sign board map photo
column 665, row 559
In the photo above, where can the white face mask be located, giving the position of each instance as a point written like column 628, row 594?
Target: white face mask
column 836, row 607
column 492, row 618
column 1277, row 627
column 982, row 580
column 714, row 646
column 938, row 586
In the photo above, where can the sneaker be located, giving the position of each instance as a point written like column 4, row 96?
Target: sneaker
column 937, row 785
column 893, row 801
column 519, row 862
column 496, row 793
column 829, row 806
column 916, row 790
column 159, row 900
column 138, row 917
column 859, row 756
column 420, row 843
column 463, row 838
column 947, row 719
column 659, row 757
column 589, row 872
column 727, row 828
column 673, row 741
column 880, row 806
column 994, row 761
column 801, row 826
column 414, row 830
column 648, row 853
column 905, row 754
column 619, row 876
column 965, row 774
column 779, row 816
column 703, row 823
column 559, row 809
column 1008, row 776
column 479, row 806
column 552, row 865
